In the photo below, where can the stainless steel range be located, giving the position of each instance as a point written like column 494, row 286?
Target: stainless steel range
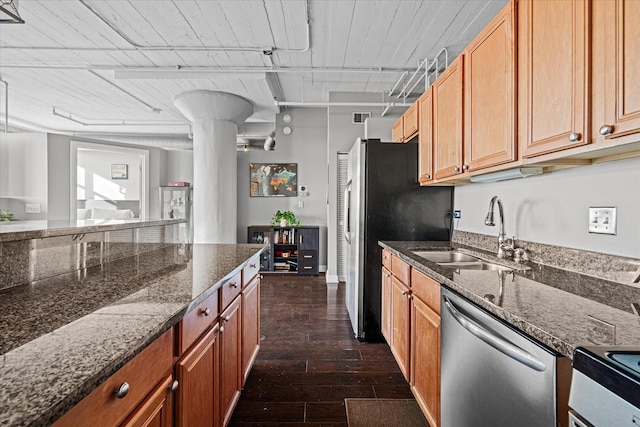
column 605, row 387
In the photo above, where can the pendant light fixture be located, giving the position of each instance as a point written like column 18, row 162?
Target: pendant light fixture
column 9, row 12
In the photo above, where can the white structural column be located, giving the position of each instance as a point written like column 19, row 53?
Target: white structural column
column 215, row 117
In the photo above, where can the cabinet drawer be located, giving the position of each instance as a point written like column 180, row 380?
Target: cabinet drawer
column 307, row 262
column 427, row 289
column 142, row 374
column 400, row 269
column 197, row 321
column 386, row 259
column 230, row 290
column 250, row 270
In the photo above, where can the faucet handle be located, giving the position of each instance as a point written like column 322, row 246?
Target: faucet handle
column 520, row 255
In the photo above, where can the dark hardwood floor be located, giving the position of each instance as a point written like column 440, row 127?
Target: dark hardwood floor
column 309, row 360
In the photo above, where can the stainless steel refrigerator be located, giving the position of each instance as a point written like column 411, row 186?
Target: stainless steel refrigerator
column 383, row 201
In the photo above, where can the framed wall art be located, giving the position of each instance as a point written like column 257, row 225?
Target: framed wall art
column 273, row 179
column 119, row 171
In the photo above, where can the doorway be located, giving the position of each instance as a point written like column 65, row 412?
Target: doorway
column 110, row 182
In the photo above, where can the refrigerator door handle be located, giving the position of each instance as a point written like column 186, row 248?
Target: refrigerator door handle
column 347, row 220
column 495, row 341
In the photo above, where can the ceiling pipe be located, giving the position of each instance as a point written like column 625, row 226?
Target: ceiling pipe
column 341, row 104
column 137, row 47
column 167, row 143
column 86, row 122
column 149, row 106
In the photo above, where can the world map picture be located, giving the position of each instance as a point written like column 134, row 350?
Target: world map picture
column 273, row 179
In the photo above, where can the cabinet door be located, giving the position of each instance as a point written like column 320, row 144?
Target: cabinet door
column 615, row 51
column 197, row 374
column 230, row 358
column 397, row 130
column 447, row 121
column 553, row 68
column 425, row 359
column 156, row 410
column 410, row 123
column 250, row 326
column 386, row 305
column 425, row 138
column 309, row 238
column 489, row 94
column 400, row 324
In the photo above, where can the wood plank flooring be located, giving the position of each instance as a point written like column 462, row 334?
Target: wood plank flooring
column 309, row 360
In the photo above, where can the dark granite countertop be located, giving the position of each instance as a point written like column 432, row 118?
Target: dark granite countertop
column 36, row 229
column 559, row 308
column 61, row 337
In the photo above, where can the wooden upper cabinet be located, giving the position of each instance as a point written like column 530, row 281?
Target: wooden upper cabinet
column 397, row 130
column 410, row 123
column 447, row 121
column 425, row 138
column 490, row 94
column 616, row 67
column 553, row 75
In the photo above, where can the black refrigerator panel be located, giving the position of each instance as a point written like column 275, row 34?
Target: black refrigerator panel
column 396, row 208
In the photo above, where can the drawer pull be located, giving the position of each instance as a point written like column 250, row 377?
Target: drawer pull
column 205, row 312
column 122, row 391
column 226, row 319
column 233, row 284
column 174, row 386
column 308, row 268
column 308, row 256
column 252, row 265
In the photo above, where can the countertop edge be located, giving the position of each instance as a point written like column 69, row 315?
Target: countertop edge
column 82, row 227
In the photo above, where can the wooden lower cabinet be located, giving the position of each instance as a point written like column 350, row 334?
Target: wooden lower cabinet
column 157, row 409
column 198, row 377
column 425, row 359
column 230, row 358
column 250, row 326
column 386, row 305
column 400, row 318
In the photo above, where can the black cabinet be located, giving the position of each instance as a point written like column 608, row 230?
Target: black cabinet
column 291, row 249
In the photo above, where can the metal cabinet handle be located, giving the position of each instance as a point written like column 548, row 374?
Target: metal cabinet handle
column 221, row 329
column 252, row 265
column 122, row 391
column 301, row 240
column 573, row 137
column 307, row 268
column 465, row 167
column 308, row 256
column 233, row 284
column 226, row 319
column 428, row 176
column 174, row 385
column 456, row 169
column 495, row 341
column 205, row 312
column 606, row 130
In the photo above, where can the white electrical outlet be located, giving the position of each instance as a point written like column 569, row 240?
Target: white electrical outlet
column 301, row 204
column 602, row 220
column 32, row 207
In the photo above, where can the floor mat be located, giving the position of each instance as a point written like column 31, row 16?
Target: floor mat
column 384, row 413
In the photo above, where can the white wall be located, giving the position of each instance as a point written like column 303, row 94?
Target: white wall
column 179, row 167
column 94, row 171
column 23, row 173
column 306, row 146
column 553, row 208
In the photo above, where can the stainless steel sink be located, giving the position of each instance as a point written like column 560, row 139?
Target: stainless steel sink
column 446, row 256
column 474, row 265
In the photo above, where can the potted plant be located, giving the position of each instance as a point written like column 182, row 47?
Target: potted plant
column 6, row 216
column 284, row 219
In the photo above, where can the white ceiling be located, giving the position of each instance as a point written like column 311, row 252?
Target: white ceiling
column 110, row 64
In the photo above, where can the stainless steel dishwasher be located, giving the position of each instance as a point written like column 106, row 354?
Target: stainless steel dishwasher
column 492, row 375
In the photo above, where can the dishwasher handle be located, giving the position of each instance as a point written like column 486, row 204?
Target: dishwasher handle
column 495, row 341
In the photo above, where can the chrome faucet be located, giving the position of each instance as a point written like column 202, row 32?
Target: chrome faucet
column 505, row 246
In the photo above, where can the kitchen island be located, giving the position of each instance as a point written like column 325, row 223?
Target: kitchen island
column 64, row 335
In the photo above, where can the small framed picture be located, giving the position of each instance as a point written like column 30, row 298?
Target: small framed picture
column 119, row 171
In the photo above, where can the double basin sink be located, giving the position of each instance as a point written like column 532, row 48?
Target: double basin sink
column 459, row 260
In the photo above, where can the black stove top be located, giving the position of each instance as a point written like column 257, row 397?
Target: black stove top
column 615, row 368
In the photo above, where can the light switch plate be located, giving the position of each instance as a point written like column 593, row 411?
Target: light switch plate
column 32, row 208
column 602, row 220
